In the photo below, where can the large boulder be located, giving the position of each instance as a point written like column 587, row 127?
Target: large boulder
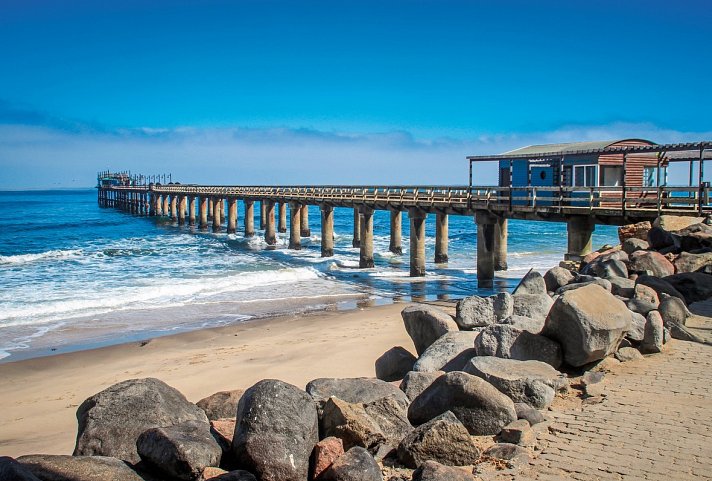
column 610, row 269
column 111, row 421
column 443, row 439
column 508, row 342
column 535, row 306
column 479, row 406
column 634, row 231
column 11, row 470
column 354, row 390
column 326, row 452
column 650, row 261
column 434, row 471
column 557, row 277
column 632, row 245
column 689, row 262
column 77, row 468
column 532, row 382
column 221, row 405
column 524, row 323
column 415, row 382
column 693, row 238
column 425, row 324
column 694, row 286
column 394, row 364
column 659, row 238
column 621, row 286
column 277, row 428
column 532, row 283
column 673, row 310
column 583, row 281
column 653, row 336
column 474, row 311
column 449, row 353
column 391, row 418
column 671, row 223
column 181, row 451
column 351, row 423
column 589, row 323
column 659, row 285
column 637, row 326
column 356, row 464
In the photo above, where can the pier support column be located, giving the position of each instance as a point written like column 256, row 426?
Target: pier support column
column 249, row 218
column 231, row 215
column 305, row 231
column 166, row 209
column 500, row 245
column 395, row 245
column 282, row 224
column 417, row 242
column 357, row 228
column 181, row 209
column 174, row 207
column 263, row 214
column 216, row 215
column 211, row 208
column 203, row 213
column 270, row 234
column 295, row 223
column 485, row 246
column 441, row 238
column 327, row 230
column 191, row 210
column 220, row 206
column 366, row 255
column 579, row 229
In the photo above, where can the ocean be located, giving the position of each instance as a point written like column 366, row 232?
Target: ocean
column 76, row 276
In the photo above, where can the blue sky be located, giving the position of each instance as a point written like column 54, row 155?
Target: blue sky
column 169, row 86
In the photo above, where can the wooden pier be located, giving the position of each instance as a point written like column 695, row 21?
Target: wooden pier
column 581, row 208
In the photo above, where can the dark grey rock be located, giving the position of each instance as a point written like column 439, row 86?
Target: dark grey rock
column 221, row 405
column 181, row 451
column 651, row 261
column 505, row 341
column 237, row 475
column 449, row 353
column 508, row 452
column 474, row 311
column 354, row 390
column 425, row 324
column 443, row 439
column 653, row 335
column 621, row 286
column 356, row 464
column 659, row 238
column 77, row 468
column 673, row 310
column 276, row 430
column 11, row 470
column 611, row 268
column 518, row 432
column 694, row 286
column 524, row 323
column 640, row 306
column 689, row 262
column 660, row 286
column 111, row 421
column 605, row 283
column 528, row 413
column 536, row 306
column 680, row 332
column 391, row 418
column 433, row 471
column 632, row 245
column 352, row 424
column 532, row 382
column 479, row 406
column 415, row 382
column 532, row 283
column 394, row 364
column 557, row 277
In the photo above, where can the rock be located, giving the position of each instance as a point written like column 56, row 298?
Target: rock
column 529, row 414
column 689, row 262
column 678, row 331
column 653, row 334
column 475, row 311
column 532, row 283
column 505, row 341
column 351, row 423
column 610, row 269
column 433, row 471
column 535, row 306
column 479, row 406
column 651, row 261
column 589, row 323
column 223, row 431
column 425, row 324
column 77, row 468
column 443, row 439
column 111, row 421
column 628, row 354
column 532, row 382
column 391, row 418
column 605, row 365
column 659, row 238
column 633, row 244
column 694, row 286
column 415, row 382
column 674, row 222
column 673, row 310
column 518, row 432
column 394, row 364
column 640, row 307
column 646, row 293
column 221, row 405
column 621, row 286
column 594, row 382
column 508, row 452
column 693, row 238
column 637, row 327
column 356, row 465
column 180, row 451
column 354, row 390
column 660, row 286
column 276, row 430
column 237, row 475
column 11, row 470
column 449, row 353
column 326, row 452
column 634, row 231
column 524, row 323
column 557, row 277
column 605, row 283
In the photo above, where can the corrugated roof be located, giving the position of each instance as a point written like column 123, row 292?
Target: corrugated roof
column 567, row 147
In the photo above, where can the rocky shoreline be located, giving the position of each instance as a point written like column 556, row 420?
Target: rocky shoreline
column 473, row 399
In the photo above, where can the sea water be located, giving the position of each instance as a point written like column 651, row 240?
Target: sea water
column 75, row 276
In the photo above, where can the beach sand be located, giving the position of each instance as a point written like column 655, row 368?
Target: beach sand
column 40, row 396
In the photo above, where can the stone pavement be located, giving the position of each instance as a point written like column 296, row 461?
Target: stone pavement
column 655, row 423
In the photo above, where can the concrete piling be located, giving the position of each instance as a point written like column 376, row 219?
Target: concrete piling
column 417, row 242
column 211, row 208
column 217, row 223
column 304, row 230
column 500, row 245
column 441, row 238
column 174, row 208
column 485, row 246
column 263, row 214
column 366, row 253
column 327, row 230
column 249, row 218
column 191, row 210
column 295, row 215
column 166, row 209
column 357, row 229
column 203, row 213
column 580, row 231
column 282, row 224
column 395, row 245
column 270, row 234
column 232, row 215
column 181, row 209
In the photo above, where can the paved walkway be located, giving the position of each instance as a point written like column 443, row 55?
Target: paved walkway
column 654, row 424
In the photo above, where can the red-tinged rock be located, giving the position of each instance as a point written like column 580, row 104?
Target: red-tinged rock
column 653, row 262
column 590, row 257
column 634, row 231
column 212, row 472
column 326, row 452
column 225, row 428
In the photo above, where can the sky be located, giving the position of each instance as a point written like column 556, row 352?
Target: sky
column 345, row 92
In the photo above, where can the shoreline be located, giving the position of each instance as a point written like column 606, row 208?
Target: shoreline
column 41, row 394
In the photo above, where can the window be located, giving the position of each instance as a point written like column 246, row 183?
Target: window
column 650, row 176
column 585, row 175
column 612, row 176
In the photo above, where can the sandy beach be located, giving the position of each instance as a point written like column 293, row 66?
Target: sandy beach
column 40, row 396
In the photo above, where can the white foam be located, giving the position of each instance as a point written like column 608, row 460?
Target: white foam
column 53, row 254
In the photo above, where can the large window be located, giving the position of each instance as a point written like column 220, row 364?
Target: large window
column 650, row 176
column 612, row 176
column 585, row 175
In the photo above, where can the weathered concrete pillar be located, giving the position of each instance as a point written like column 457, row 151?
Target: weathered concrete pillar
column 203, row 213
column 366, row 254
column 282, row 224
column 417, row 242
column 191, row 210
column 485, row 246
column 181, row 209
column 441, row 238
column 231, row 215
column 305, row 231
column 357, row 228
column 500, row 245
column 249, row 218
column 217, row 223
column 270, row 234
column 395, row 245
column 327, row 230
column 263, row 214
column 211, row 208
column 295, row 216
column 174, row 207
column 580, row 230
column 166, row 209
column 221, row 210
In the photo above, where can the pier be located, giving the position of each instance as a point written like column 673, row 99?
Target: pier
column 581, row 207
